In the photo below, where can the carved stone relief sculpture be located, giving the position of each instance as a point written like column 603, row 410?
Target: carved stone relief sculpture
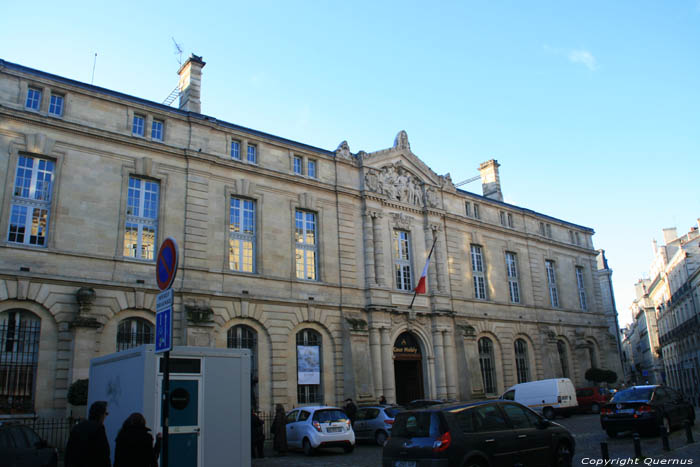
column 398, row 184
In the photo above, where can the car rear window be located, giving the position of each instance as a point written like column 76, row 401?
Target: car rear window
column 633, row 395
column 329, row 415
column 392, row 412
column 416, row 425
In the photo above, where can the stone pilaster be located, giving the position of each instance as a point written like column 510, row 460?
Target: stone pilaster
column 441, row 385
column 375, row 349
column 440, row 260
column 388, row 366
column 432, row 274
column 471, row 353
column 549, row 355
column 378, row 249
column 368, row 234
column 450, row 364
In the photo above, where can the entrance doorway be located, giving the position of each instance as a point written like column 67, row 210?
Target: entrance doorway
column 408, row 369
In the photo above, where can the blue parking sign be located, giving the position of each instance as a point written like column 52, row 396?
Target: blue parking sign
column 164, row 321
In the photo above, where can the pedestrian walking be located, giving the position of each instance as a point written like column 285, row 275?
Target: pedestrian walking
column 257, row 436
column 279, row 430
column 382, row 400
column 134, row 445
column 350, row 409
column 87, row 444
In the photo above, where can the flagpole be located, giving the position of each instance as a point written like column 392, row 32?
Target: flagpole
column 427, row 259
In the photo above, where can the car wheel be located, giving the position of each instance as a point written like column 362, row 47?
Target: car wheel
column 611, row 433
column 563, row 455
column 348, row 449
column 548, row 412
column 595, row 408
column 308, row 450
column 380, row 438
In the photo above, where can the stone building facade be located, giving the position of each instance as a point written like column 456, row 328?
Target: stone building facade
column 287, row 249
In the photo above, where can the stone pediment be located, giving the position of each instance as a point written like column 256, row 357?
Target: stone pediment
column 401, row 151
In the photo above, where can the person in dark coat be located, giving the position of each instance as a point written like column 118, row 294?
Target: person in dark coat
column 257, row 435
column 350, row 410
column 279, row 430
column 87, row 444
column 382, row 400
column 134, row 446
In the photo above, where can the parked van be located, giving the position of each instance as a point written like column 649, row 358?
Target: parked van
column 548, row 396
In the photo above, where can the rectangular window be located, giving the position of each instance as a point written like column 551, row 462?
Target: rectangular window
column 512, row 271
column 581, row 288
column 235, row 150
column 510, row 220
column 33, row 98
column 402, row 260
column 549, row 230
column 157, row 130
column 476, row 211
column 242, row 235
column 31, row 201
column 306, row 245
column 311, row 168
column 298, row 166
column 252, row 154
column 138, row 126
column 542, row 231
column 468, row 208
column 478, row 271
column 141, row 219
column 503, row 218
column 552, row 282
column 56, row 105
column 578, row 238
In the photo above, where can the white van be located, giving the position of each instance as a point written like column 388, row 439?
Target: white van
column 548, row 396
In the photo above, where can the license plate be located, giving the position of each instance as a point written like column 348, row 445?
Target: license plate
column 405, row 464
column 624, row 411
column 334, row 429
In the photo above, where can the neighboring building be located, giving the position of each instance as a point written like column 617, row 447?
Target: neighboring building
column 644, row 338
column 627, row 355
column 286, row 249
column 677, row 282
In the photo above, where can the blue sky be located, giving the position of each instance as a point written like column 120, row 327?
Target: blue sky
column 591, row 108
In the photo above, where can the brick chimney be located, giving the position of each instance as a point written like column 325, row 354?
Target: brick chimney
column 670, row 235
column 191, row 84
column 490, row 181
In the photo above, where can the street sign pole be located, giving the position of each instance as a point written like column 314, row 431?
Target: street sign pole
column 166, row 269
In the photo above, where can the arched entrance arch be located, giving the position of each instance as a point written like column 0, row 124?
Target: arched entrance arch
column 408, row 368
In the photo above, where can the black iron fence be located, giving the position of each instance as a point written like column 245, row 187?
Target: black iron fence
column 54, row 431
column 19, row 349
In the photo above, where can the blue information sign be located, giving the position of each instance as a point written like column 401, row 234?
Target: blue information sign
column 164, row 321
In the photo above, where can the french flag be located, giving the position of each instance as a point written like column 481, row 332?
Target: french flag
column 420, row 287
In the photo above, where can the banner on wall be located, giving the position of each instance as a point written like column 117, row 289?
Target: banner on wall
column 308, row 364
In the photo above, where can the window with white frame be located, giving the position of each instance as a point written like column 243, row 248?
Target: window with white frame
column 512, row 271
column 33, row 98
column 309, row 366
column 252, row 154
column 477, row 215
column 298, row 165
column 141, row 219
column 487, row 364
column 311, row 168
column 468, row 208
column 157, row 130
column 306, row 245
column 241, row 250
column 133, row 332
column 503, row 218
column 552, row 283
column 56, row 105
column 522, row 363
column 402, row 260
column 235, row 150
column 31, row 201
column 510, row 220
column 478, row 270
column 581, row 288
column 138, row 125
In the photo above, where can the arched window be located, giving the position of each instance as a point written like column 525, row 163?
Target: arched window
column 245, row 337
column 133, row 332
column 486, row 361
column 563, row 358
column 592, row 355
column 19, row 356
column 522, row 364
column 309, row 375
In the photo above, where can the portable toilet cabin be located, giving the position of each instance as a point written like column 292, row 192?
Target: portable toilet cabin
column 209, row 400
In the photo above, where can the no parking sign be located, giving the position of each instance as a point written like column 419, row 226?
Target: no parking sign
column 166, row 269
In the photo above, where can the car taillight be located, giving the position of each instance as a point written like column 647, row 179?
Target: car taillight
column 389, row 422
column 645, row 409
column 317, row 426
column 443, row 442
column 606, row 411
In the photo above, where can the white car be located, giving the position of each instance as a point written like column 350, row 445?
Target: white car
column 550, row 397
column 309, row 428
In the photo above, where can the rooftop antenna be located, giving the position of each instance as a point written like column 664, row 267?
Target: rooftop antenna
column 178, row 51
column 94, row 62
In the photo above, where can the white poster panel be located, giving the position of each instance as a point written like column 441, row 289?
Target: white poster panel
column 308, row 364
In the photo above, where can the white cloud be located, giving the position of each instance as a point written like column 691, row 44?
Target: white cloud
column 584, row 57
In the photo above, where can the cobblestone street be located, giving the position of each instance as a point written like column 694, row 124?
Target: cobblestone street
column 586, row 430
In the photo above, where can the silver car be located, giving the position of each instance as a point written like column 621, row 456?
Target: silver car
column 375, row 422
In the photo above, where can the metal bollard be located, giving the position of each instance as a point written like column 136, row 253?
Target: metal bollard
column 688, row 432
column 637, row 445
column 604, row 451
column 664, row 438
